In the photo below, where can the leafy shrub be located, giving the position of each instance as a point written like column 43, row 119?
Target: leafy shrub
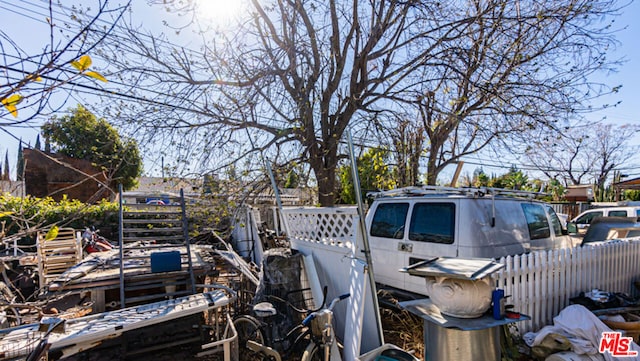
column 24, row 216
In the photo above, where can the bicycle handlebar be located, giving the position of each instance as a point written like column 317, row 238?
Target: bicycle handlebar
column 338, row 299
column 313, row 314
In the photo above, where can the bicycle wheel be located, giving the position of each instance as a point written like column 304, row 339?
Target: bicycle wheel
column 248, row 329
column 313, row 353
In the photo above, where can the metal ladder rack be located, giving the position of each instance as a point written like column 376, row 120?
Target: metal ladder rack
column 150, row 236
column 466, row 191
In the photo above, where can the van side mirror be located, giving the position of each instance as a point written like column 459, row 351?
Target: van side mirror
column 572, row 228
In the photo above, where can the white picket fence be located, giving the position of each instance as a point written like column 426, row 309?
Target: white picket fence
column 539, row 284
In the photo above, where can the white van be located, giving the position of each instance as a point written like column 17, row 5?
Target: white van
column 410, row 225
column 580, row 223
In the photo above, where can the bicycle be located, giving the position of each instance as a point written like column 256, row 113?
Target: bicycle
column 313, row 337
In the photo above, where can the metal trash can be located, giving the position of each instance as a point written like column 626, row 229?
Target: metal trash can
column 448, row 338
column 452, row 344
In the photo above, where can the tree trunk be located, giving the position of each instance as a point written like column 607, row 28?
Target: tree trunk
column 321, row 162
column 326, row 177
column 432, row 171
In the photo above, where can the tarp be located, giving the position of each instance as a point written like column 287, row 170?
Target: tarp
column 582, row 329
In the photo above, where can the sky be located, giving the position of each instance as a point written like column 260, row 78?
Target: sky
column 24, row 22
column 629, row 74
column 21, row 24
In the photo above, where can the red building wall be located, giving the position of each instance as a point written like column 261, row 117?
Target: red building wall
column 54, row 175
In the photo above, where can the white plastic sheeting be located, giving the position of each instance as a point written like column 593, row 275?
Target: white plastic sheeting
column 582, row 328
column 244, row 235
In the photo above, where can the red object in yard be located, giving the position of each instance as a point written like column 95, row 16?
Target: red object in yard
column 514, row 315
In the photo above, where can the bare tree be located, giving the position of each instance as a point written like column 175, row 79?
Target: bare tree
column 613, row 149
column 297, row 74
column 587, row 153
column 562, row 156
column 31, row 78
column 507, row 68
column 407, row 140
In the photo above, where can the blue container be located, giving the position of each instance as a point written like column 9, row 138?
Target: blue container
column 497, row 297
column 166, row 261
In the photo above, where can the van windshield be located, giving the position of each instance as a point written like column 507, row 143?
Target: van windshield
column 555, row 221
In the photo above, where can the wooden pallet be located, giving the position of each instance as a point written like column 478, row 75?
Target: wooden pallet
column 57, row 255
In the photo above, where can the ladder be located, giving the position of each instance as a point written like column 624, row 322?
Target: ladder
column 155, row 252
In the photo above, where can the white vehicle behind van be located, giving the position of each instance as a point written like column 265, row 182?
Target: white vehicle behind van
column 410, row 225
column 581, row 222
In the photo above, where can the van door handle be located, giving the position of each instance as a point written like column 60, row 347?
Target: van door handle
column 405, row 247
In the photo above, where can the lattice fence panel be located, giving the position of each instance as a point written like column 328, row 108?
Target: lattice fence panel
column 327, row 225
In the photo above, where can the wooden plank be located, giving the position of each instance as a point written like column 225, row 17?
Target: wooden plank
column 153, row 213
column 53, row 259
column 152, row 230
column 151, row 221
column 152, row 238
column 57, row 255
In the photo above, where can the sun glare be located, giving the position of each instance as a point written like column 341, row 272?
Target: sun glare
column 221, row 11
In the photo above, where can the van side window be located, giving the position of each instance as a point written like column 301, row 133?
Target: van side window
column 555, row 221
column 389, row 219
column 432, row 222
column 536, row 220
column 618, row 214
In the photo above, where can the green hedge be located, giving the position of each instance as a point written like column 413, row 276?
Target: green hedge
column 26, row 215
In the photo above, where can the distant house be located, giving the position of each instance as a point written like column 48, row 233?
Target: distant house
column 55, row 175
column 630, row 184
column 579, row 193
column 153, row 190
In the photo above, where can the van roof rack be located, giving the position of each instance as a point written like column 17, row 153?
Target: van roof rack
column 466, row 191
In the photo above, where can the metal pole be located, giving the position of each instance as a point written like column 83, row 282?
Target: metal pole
column 273, row 183
column 185, row 234
column 121, row 241
column 365, row 237
column 276, row 192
